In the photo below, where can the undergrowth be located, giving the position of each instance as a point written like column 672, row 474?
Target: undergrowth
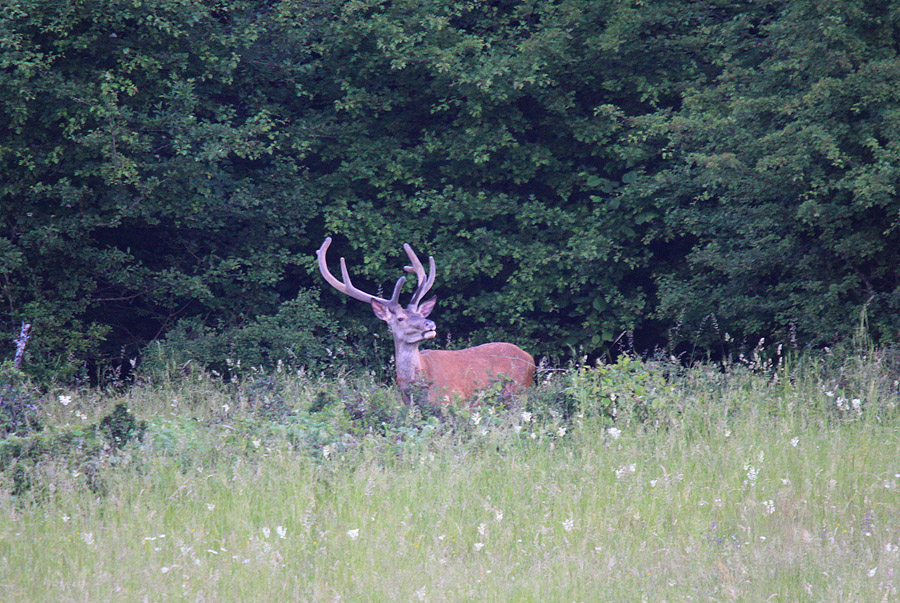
column 641, row 479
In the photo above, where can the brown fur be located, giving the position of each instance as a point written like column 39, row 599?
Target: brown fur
column 460, row 373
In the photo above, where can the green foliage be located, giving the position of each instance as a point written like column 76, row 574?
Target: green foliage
column 783, row 177
column 497, row 138
column 120, row 426
column 199, row 421
column 141, row 186
column 84, row 450
column 577, row 168
column 20, row 402
column 629, row 391
column 301, row 333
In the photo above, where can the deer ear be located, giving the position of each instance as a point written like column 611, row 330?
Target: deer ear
column 381, row 311
column 426, row 307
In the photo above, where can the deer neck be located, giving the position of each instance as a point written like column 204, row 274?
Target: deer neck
column 409, row 363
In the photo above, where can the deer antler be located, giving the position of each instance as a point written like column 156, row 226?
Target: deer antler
column 424, row 281
column 347, row 288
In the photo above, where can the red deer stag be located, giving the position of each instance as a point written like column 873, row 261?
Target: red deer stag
column 444, row 374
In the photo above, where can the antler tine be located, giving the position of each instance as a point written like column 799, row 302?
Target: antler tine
column 425, row 281
column 395, row 298
column 346, row 287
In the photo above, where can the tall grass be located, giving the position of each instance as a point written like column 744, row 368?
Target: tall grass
column 639, row 481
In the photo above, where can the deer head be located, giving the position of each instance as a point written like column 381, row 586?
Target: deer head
column 408, row 325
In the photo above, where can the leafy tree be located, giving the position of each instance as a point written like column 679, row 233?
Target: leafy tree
column 141, row 180
column 786, row 175
column 577, row 167
column 499, row 137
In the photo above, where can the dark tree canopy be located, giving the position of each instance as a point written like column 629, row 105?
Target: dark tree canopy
column 578, row 168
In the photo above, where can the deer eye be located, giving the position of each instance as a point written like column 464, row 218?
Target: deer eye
column 400, row 319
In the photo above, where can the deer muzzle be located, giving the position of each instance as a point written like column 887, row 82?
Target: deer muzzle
column 429, row 330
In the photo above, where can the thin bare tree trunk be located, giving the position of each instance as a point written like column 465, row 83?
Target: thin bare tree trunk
column 21, row 342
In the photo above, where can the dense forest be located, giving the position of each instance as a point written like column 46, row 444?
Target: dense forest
column 708, row 173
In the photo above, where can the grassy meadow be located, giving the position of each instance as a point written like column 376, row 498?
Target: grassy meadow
column 636, row 481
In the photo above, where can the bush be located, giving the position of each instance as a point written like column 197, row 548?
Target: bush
column 19, row 402
column 301, row 334
column 120, row 427
column 83, row 450
column 631, row 390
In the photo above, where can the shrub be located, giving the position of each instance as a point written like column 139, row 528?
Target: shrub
column 83, row 450
column 300, row 334
column 120, row 427
column 19, row 402
column 629, row 390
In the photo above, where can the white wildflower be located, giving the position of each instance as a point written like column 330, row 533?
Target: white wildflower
column 281, row 531
column 873, row 571
column 625, row 470
column 476, row 418
column 65, row 400
column 795, row 441
column 526, row 416
column 266, row 532
column 353, row 534
column 614, row 433
column 561, row 431
column 568, row 525
column 478, row 546
column 752, row 474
